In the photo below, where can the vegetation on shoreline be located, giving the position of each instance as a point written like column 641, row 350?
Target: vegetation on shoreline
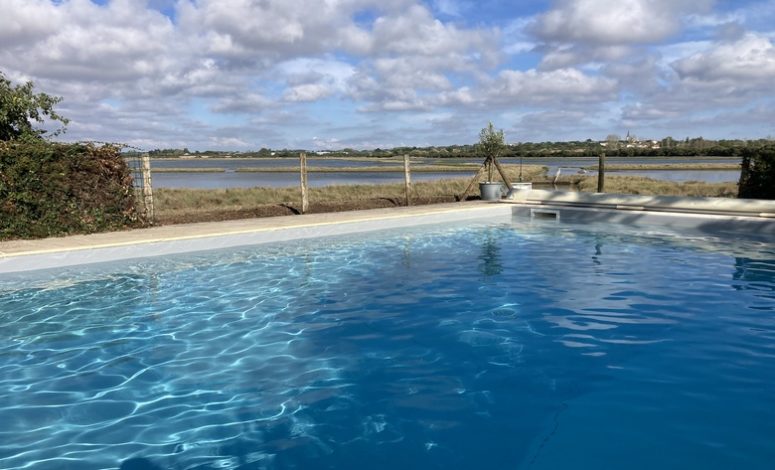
column 666, row 147
column 669, row 166
column 651, row 187
column 195, row 205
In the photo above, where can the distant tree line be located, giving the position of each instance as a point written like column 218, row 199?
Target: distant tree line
column 667, row 147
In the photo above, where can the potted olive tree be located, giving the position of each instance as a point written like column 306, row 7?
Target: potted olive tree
column 491, row 144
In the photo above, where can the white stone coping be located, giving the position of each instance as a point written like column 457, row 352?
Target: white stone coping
column 697, row 205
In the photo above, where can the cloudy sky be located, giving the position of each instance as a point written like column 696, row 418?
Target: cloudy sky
column 318, row 74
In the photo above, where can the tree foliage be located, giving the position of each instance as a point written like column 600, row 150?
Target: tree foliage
column 20, row 106
column 491, row 144
column 491, row 141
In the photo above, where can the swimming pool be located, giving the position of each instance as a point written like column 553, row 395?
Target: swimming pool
column 499, row 343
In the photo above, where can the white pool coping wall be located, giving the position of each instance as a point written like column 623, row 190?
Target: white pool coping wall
column 713, row 216
column 758, row 208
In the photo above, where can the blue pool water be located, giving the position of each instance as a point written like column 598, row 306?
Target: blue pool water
column 492, row 345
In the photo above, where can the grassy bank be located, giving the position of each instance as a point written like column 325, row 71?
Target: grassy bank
column 652, row 187
column 194, row 205
column 670, row 166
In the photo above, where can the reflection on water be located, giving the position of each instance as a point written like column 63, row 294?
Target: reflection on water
column 490, row 258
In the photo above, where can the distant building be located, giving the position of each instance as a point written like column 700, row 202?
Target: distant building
column 630, row 141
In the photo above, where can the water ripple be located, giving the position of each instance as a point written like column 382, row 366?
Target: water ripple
column 464, row 346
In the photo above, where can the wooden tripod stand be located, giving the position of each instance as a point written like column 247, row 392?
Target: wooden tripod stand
column 491, row 159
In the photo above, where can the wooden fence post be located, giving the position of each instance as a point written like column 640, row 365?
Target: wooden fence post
column 407, row 180
column 601, row 173
column 304, row 188
column 147, row 188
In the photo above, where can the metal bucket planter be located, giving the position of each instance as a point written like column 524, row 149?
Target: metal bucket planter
column 491, row 191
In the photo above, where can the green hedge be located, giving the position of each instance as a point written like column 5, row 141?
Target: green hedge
column 49, row 189
column 757, row 178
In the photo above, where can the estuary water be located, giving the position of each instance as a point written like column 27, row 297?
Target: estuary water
column 282, row 180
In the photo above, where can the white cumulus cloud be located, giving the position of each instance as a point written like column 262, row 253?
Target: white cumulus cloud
column 615, row 22
column 558, row 88
column 747, row 62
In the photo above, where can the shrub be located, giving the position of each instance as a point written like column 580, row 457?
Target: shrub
column 757, row 178
column 51, row 189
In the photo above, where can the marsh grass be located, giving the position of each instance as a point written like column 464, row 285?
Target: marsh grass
column 668, row 166
column 651, row 187
column 239, row 198
column 189, row 205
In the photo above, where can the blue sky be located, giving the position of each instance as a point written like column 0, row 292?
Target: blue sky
column 245, row 74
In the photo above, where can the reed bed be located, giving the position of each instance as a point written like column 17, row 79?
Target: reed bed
column 651, row 187
column 668, row 166
column 188, row 205
column 191, row 205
